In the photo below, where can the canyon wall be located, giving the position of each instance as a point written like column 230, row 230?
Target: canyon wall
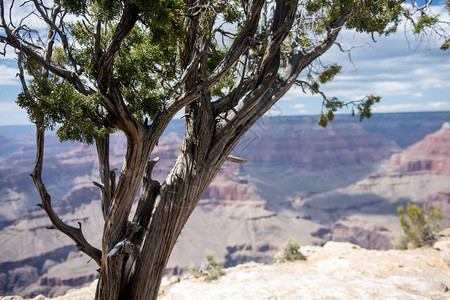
column 342, row 183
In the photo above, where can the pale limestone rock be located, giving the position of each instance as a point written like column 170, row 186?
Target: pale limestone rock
column 335, row 271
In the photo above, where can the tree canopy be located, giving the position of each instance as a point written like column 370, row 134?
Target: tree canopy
column 147, row 64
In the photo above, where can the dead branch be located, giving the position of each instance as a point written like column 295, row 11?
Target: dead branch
column 235, row 159
column 74, row 233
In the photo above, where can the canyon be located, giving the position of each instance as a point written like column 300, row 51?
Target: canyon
column 337, row 184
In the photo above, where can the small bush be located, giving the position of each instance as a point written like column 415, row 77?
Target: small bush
column 402, row 243
column 290, row 252
column 209, row 268
column 419, row 224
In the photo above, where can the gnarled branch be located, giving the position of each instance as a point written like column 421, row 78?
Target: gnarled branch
column 73, row 232
column 51, row 23
column 243, row 40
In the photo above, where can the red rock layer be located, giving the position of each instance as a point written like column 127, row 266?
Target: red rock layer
column 432, row 154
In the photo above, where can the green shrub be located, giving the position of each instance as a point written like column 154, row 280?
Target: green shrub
column 402, row 243
column 290, row 252
column 210, row 268
column 419, row 224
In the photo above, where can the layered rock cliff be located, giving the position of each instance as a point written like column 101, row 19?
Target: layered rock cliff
column 419, row 174
column 311, row 183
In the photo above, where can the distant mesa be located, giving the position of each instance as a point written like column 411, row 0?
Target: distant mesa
column 432, row 154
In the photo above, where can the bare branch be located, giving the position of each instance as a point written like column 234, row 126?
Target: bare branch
column 268, row 68
column 302, row 83
column 14, row 40
column 102, row 147
column 240, row 87
column 70, row 76
column 243, row 40
column 424, row 6
column 147, row 197
column 61, row 33
column 97, row 49
column 2, row 15
column 21, row 73
column 126, row 24
column 74, row 233
column 235, row 159
column 112, row 180
column 255, row 105
column 184, row 76
column 122, row 247
column 99, row 185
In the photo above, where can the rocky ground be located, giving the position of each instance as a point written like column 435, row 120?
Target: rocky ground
column 334, row 271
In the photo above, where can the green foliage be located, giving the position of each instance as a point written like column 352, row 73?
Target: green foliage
column 331, row 106
column 54, row 101
column 210, row 268
column 157, row 5
column 423, row 22
column 402, row 243
column 231, row 12
column 375, row 16
column 145, row 53
column 77, row 7
column 419, row 224
column 106, row 9
column 290, row 252
column 367, row 16
column 148, row 56
column 445, row 45
column 365, row 106
column 83, row 53
column 329, row 73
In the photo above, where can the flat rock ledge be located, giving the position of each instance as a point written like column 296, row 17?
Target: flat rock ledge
column 334, row 271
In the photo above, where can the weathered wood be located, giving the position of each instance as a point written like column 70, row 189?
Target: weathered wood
column 102, row 147
column 236, row 159
column 74, row 233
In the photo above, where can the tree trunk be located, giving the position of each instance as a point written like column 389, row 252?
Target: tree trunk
column 177, row 199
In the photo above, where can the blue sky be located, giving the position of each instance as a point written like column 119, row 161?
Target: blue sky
column 409, row 74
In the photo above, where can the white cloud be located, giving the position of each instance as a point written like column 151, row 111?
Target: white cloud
column 9, row 54
column 22, row 13
column 293, row 94
column 298, row 106
column 411, row 107
column 12, row 114
column 9, row 107
column 8, row 75
column 415, row 74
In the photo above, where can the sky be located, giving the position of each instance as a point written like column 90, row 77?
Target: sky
column 409, row 74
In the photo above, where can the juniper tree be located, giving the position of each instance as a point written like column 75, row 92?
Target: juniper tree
column 131, row 66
